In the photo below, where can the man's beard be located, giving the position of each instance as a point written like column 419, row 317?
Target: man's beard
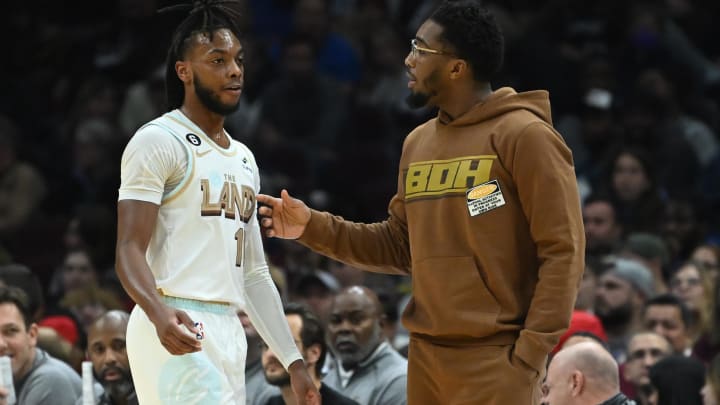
column 616, row 317
column 120, row 388
column 211, row 101
column 417, row 99
column 599, row 247
column 281, row 380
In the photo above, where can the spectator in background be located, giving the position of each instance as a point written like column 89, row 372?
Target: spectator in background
column 92, row 180
column 678, row 380
column 39, row 378
column 635, row 191
column 650, row 250
column 384, row 83
column 143, row 101
column 89, row 236
column 582, row 374
column 365, row 368
column 676, row 123
column 668, row 159
column 106, row 351
column 301, row 115
column 694, row 288
column 668, row 316
column 96, row 102
column 708, row 256
column 309, row 336
column 603, row 230
column 682, row 228
column 58, row 333
column 335, row 56
column 92, row 228
column 621, row 293
column 644, row 349
column 316, row 289
column 20, row 276
column 593, row 133
column 77, row 271
column 345, row 274
column 88, row 303
column 22, row 186
column 582, row 321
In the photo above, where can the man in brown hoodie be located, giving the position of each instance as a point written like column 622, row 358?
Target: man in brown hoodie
column 486, row 219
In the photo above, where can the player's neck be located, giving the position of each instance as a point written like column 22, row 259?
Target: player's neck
column 210, row 122
column 463, row 99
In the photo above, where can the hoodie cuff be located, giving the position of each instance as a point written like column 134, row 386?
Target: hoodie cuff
column 315, row 228
column 530, row 352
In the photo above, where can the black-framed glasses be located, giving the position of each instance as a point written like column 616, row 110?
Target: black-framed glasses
column 416, row 49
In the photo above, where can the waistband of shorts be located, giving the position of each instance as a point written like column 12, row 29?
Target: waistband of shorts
column 218, row 308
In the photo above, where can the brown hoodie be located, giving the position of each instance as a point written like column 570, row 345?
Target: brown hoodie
column 487, row 221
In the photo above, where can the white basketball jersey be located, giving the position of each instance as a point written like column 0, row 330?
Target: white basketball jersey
column 207, row 232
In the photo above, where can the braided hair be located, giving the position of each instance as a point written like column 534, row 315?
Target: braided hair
column 205, row 17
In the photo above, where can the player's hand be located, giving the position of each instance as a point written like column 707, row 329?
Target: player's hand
column 285, row 217
column 169, row 327
column 302, row 385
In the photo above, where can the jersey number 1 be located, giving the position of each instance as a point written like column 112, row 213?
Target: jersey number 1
column 240, row 238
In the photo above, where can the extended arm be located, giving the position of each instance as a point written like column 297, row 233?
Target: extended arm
column 381, row 247
column 265, row 310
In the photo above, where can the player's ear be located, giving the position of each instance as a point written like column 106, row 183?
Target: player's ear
column 183, row 71
column 459, row 68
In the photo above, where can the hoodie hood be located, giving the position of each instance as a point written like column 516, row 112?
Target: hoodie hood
column 505, row 100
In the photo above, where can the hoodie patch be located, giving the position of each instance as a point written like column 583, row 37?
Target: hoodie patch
column 484, row 197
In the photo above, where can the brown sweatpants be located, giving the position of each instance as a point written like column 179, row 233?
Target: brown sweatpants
column 469, row 375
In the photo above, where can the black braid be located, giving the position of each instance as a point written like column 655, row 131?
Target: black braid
column 204, row 17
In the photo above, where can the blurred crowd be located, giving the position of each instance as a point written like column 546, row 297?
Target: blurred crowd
column 635, row 90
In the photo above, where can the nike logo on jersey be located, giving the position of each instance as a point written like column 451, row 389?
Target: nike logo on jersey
column 201, row 154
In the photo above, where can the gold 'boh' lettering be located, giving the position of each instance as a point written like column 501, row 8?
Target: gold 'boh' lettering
column 440, row 177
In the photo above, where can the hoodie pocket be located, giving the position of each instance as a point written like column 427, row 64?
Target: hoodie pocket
column 450, row 298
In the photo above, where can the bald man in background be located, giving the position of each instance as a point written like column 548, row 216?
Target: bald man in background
column 366, row 368
column 106, row 351
column 582, row 374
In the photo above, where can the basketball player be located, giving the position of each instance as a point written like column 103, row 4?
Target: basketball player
column 189, row 249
